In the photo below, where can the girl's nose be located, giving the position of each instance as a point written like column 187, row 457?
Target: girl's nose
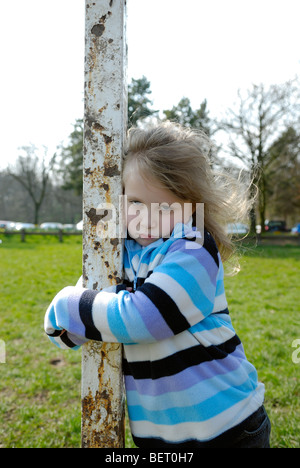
column 148, row 220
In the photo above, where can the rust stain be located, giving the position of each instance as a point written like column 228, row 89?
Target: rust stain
column 92, row 127
column 98, row 127
column 105, row 187
column 96, row 408
column 111, row 171
column 102, row 109
column 94, row 217
column 102, row 436
column 97, row 245
column 107, row 139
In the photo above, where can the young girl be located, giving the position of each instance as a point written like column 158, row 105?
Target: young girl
column 188, row 382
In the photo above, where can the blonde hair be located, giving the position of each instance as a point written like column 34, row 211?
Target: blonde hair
column 179, row 159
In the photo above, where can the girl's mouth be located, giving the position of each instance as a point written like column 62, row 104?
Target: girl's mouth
column 146, row 236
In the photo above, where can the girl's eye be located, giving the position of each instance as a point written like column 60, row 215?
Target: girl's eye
column 164, row 207
column 135, row 202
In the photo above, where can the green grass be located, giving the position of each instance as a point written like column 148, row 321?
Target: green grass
column 40, row 384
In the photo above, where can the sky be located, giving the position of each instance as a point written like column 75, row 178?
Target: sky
column 198, row 49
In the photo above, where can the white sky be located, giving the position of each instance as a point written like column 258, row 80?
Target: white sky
column 193, row 48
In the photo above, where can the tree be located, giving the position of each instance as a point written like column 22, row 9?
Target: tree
column 262, row 114
column 283, row 175
column 186, row 116
column 138, row 101
column 196, row 119
column 72, row 160
column 33, row 173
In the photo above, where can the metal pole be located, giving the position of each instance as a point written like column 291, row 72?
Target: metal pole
column 105, row 119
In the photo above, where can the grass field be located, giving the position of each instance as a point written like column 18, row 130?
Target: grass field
column 40, row 385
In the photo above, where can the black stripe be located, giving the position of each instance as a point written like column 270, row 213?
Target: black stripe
column 180, row 361
column 66, row 340
column 224, row 311
column 85, row 312
column 140, row 281
column 55, row 333
column 175, row 320
column 122, row 287
column 153, row 443
column 210, row 246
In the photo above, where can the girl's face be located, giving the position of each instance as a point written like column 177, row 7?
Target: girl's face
column 152, row 210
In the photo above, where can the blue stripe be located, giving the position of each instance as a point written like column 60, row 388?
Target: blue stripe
column 212, row 322
column 190, row 280
column 133, row 320
column 191, row 266
column 51, row 319
column 115, row 322
column 209, row 323
column 220, row 288
column 125, row 321
column 60, row 312
column 194, row 395
column 195, row 413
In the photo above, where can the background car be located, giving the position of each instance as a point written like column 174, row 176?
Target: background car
column 237, row 228
column 51, row 226
column 273, row 226
column 7, row 225
column 69, row 227
column 20, row 226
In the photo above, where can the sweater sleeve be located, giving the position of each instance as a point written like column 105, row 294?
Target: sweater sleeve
column 63, row 323
column 179, row 293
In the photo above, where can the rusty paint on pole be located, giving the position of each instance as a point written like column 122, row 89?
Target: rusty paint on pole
column 105, row 118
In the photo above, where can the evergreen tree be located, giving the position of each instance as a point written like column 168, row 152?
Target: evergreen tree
column 138, row 101
column 186, row 116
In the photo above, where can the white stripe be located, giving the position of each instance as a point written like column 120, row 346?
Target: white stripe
column 135, row 262
column 156, row 261
column 155, row 351
column 99, row 314
column 129, row 274
column 184, row 340
column 204, row 430
column 214, row 336
column 220, row 303
column 143, row 270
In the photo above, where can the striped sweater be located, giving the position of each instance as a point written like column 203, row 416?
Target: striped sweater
column 186, row 375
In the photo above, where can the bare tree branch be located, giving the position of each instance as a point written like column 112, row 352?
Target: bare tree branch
column 33, row 173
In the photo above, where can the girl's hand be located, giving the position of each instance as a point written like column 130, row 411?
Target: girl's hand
column 129, row 289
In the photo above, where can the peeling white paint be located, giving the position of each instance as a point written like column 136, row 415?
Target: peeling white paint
column 105, row 121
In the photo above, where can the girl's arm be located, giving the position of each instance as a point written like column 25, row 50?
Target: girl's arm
column 179, row 293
